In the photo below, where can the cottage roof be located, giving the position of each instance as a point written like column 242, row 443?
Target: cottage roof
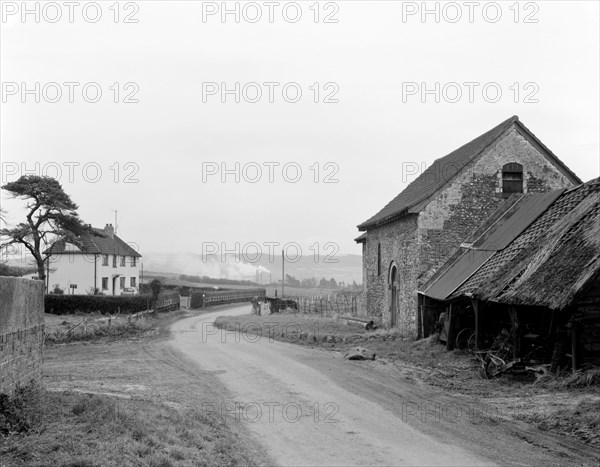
column 548, row 264
column 415, row 196
column 97, row 242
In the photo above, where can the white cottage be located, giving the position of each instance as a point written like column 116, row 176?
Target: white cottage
column 102, row 261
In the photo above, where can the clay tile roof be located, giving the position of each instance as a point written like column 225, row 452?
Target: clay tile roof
column 411, row 199
column 97, row 242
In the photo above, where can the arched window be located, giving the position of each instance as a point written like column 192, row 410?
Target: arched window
column 379, row 259
column 512, row 178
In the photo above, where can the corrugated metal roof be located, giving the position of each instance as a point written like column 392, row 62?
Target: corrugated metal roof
column 463, row 268
column 514, row 219
column 551, row 261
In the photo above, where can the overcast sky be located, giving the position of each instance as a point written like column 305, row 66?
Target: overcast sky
column 368, row 138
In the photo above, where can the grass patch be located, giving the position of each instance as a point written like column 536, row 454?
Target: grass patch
column 95, row 332
column 76, row 429
column 334, row 334
column 579, row 419
column 76, row 328
column 296, row 328
column 581, row 379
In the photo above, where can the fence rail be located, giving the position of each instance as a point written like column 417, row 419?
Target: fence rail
column 330, row 305
column 202, row 299
column 167, row 301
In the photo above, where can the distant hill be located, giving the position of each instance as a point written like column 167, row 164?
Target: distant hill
column 348, row 268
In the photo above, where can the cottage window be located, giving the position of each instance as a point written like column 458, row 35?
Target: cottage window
column 104, row 260
column 379, row 259
column 105, row 282
column 132, row 282
column 122, row 260
column 133, row 261
column 512, row 178
column 114, row 261
column 122, row 282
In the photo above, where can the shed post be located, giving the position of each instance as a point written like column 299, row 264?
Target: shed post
column 515, row 331
column 451, row 323
column 574, row 356
column 475, row 304
column 420, row 302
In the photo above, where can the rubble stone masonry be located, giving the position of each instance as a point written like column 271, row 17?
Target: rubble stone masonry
column 21, row 331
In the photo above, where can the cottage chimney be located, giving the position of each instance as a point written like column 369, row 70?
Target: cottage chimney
column 110, row 230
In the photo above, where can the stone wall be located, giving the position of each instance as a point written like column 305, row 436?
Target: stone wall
column 399, row 247
column 21, row 331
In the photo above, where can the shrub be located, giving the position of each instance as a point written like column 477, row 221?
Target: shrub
column 105, row 304
column 156, row 287
column 196, row 299
column 19, row 411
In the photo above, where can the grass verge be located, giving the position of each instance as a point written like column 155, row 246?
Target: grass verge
column 64, row 428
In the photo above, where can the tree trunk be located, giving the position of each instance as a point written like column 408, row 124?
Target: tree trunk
column 41, row 269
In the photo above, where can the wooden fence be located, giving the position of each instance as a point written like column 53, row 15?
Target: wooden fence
column 330, row 305
column 167, row 301
column 222, row 297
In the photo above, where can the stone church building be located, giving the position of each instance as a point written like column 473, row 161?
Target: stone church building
column 414, row 234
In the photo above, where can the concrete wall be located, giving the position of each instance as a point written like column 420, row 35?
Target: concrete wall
column 21, row 331
column 420, row 244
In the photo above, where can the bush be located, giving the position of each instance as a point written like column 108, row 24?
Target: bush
column 105, row 304
column 196, row 299
column 19, row 411
column 156, row 287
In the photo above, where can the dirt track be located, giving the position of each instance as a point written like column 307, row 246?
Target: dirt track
column 310, row 407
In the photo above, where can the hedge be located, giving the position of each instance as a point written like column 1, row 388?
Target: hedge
column 105, row 304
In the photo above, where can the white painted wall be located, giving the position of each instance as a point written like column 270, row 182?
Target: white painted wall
column 73, row 267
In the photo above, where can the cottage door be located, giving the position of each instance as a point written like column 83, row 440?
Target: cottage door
column 393, row 298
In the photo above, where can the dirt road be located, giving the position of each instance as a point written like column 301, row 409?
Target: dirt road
column 312, row 407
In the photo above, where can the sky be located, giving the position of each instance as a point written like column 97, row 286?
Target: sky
column 288, row 127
